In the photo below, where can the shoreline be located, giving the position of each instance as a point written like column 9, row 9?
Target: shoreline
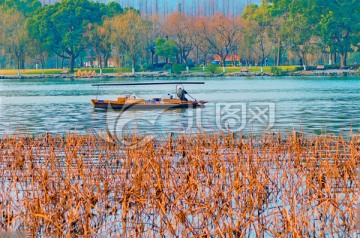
column 329, row 73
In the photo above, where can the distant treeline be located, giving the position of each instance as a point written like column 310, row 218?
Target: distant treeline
column 277, row 32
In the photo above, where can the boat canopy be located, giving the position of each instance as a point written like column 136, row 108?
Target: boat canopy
column 147, row 83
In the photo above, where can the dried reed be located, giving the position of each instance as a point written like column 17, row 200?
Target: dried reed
column 199, row 185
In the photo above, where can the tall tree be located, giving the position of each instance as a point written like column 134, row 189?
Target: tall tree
column 222, row 33
column 259, row 23
column 166, row 48
column 203, row 49
column 128, row 34
column 39, row 52
column 99, row 40
column 15, row 36
column 62, row 26
column 339, row 25
column 293, row 25
column 180, row 29
column 280, row 12
column 26, row 7
column 247, row 42
column 2, row 25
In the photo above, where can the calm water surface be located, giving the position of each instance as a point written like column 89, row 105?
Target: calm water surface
column 314, row 105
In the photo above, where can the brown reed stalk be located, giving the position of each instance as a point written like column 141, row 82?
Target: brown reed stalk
column 200, row 185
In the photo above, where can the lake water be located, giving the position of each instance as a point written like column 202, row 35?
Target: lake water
column 313, row 105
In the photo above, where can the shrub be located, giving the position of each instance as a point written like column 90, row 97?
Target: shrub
column 149, row 67
column 167, row 66
column 334, row 66
column 311, row 67
column 212, row 68
column 191, row 65
column 177, row 68
column 277, row 71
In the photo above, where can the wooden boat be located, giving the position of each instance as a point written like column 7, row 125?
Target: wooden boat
column 132, row 102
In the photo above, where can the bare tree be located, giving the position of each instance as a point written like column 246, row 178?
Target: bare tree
column 15, row 37
column 203, row 49
column 128, row 35
column 179, row 28
column 223, row 34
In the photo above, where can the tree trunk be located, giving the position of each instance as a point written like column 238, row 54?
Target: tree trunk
column 22, row 60
column 343, row 57
column 106, row 63
column 133, row 67
column 42, row 61
column 100, row 64
column 223, row 62
column 72, row 63
column 119, row 62
column 304, row 60
column 278, row 58
column 186, row 65
column 18, row 66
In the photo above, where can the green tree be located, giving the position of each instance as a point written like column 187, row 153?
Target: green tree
column 39, row 52
column 339, row 25
column 259, row 29
column 166, row 48
column 112, row 9
column 26, row 7
column 62, row 27
column 293, row 25
column 309, row 23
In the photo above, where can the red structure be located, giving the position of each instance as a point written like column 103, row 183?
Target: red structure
column 232, row 59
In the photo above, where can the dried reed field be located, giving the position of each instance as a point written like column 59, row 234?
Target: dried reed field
column 186, row 186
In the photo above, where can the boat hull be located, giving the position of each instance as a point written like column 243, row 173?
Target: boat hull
column 100, row 104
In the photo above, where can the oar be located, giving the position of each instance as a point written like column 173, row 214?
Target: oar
column 192, row 97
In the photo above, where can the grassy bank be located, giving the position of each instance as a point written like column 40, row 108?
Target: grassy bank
column 128, row 70
column 59, row 71
column 29, row 71
column 253, row 69
column 200, row 185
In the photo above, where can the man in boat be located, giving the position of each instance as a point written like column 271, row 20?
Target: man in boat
column 181, row 94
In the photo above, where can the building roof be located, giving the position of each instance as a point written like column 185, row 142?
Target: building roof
column 228, row 58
